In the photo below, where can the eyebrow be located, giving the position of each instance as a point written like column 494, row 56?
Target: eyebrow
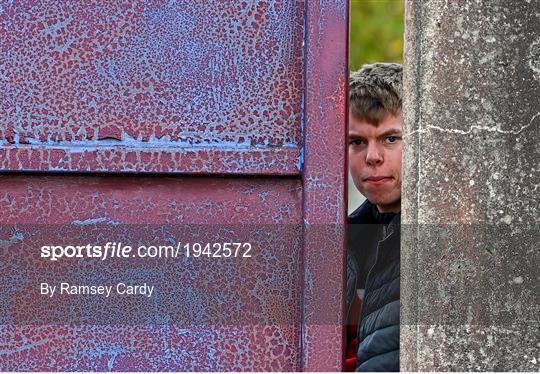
column 390, row 132
column 355, row 136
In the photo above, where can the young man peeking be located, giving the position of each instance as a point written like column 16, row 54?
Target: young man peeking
column 375, row 147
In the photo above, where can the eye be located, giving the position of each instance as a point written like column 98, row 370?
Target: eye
column 356, row 142
column 392, row 139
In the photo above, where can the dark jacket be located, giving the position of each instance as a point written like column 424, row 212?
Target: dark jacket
column 373, row 265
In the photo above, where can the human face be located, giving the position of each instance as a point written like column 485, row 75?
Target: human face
column 375, row 160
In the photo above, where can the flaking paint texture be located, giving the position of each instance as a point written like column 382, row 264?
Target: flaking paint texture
column 186, row 87
column 79, row 78
column 323, row 175
column 149, row 204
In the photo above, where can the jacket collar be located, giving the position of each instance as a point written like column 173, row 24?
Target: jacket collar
column 368, row 213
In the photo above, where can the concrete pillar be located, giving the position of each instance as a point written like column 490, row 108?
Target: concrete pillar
column 470, row 252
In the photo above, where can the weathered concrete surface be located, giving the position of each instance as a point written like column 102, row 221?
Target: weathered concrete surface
column 470, row 263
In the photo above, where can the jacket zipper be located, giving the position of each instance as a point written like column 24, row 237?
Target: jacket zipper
column 384, row 228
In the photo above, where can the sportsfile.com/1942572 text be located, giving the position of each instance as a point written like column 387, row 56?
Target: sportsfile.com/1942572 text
column 119, row 250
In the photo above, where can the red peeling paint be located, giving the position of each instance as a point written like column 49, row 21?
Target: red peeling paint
column 158, row 114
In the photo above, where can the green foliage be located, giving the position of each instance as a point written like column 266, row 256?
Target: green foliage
column 376, row 32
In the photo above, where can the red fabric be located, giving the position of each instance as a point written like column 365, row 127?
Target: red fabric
column 352, row 327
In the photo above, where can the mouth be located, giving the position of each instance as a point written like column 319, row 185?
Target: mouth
column 377, row 179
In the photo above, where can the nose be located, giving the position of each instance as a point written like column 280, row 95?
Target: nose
column 374, row 155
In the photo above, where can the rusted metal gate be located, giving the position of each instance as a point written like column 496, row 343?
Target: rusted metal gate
column 140, row 115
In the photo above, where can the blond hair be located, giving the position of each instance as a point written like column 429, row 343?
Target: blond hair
column 375, row 91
